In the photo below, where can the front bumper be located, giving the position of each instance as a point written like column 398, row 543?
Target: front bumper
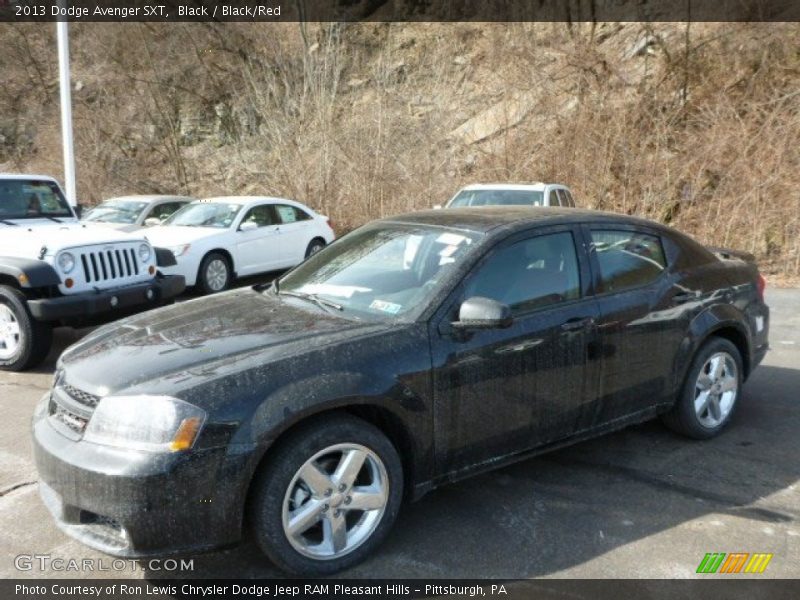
column 108, row 301
column 136, row 504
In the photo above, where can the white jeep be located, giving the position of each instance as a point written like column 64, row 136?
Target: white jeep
column 54, row 270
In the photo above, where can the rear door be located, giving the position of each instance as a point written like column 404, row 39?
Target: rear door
column 502, row 391
column 640, row 328
column 297, row 230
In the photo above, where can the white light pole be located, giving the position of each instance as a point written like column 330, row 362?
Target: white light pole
column 66, row 110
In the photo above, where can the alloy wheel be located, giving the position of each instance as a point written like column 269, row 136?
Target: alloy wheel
column 9, row 333
column 716, row 389
column 335, row 501
column 217, row 274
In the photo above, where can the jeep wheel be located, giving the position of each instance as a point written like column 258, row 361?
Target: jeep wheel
column 215, row 274
column 24, row 341
column 328, row 496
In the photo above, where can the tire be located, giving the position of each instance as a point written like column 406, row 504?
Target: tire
column 703, row 417
column 210, row 267
column 280, row 490
column 24, row 341
column 315, row 246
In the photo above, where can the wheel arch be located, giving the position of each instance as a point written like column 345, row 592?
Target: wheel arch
column 379, row 416
column 226, row 253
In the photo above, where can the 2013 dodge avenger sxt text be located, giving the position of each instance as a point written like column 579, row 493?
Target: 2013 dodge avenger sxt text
column 414, row 351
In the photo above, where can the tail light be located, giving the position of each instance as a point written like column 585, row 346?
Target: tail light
column 330, row 223
column 761, row 285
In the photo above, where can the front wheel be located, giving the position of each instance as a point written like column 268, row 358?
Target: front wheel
column 710, row 393
column 215, row 273
column 24, row 341
column 327, row 497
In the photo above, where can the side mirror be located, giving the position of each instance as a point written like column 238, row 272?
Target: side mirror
column 78, row 210
column 248, row 226
column 483, row 313
column 152, row 221
column 437, row 207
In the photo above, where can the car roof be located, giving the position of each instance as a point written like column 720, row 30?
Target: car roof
column 151, row 198
column 251, row 199
column 486, row 218
column 7, row 176
column 537, row 186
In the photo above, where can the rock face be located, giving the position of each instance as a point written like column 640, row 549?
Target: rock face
column 499, row 117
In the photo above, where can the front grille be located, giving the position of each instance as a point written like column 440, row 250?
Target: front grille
column 107, row 265
column 70, row 408
column 85, row 398
column 68, row 419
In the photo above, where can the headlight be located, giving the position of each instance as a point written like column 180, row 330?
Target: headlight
column 180, row 250
column 152, row 423
column 66, row 262
column 144, row 252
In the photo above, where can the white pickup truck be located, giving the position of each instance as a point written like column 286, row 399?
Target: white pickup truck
column 54, row 270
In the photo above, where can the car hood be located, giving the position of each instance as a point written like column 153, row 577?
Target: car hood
column 127, row 227
column 28, row 238
column 174, row 235
column 208, row 335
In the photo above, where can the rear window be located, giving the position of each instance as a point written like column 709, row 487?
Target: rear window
column 497, row 198
column 627, row 259
column 291, row 214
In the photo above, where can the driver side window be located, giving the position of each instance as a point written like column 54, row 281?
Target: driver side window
column 530, row 274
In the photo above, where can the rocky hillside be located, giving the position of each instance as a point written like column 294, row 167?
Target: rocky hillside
column 697, row 126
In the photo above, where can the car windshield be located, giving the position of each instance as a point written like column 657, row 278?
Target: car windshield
column 116, row 211
column 497, row 198
column 205, row 214
column 32, row 199
column 381, row 271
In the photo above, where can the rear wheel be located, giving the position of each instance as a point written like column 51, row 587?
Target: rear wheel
column 711, row 391
column 215, row 273
column 315, row 246
column 328, row 497
column 24, row 341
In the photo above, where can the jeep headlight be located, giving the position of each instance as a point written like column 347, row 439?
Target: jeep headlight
column 66, row 262
column 152, row 423
column 144, row 252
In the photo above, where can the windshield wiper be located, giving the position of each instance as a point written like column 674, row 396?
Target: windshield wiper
column 51, row 218
column 322, row 302
column 4, row 222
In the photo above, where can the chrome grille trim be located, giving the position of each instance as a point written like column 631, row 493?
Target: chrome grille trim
column 85, row 398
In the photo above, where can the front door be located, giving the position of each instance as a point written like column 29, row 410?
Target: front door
column 503, row 391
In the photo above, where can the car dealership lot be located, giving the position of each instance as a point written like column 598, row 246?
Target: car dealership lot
column 639, row 503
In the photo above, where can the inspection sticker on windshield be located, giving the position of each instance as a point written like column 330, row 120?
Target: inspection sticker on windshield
column 387, row 307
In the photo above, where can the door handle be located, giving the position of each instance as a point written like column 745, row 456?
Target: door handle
column 577, row 323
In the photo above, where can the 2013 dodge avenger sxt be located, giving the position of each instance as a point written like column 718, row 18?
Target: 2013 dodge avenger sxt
column 414, row 351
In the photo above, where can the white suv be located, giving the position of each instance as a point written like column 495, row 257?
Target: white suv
column 54, row 270
column 512, row 194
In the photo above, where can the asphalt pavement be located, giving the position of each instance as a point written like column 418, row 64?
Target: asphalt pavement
column 640, row 503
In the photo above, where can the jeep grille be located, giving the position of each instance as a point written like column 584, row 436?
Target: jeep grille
column 105, row 265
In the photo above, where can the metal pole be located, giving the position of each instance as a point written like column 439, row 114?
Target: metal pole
column 66, row 111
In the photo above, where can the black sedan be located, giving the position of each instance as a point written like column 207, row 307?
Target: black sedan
column 414, row 351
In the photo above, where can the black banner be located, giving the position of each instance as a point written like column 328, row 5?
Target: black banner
column 400, row 10
column 259, row 589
